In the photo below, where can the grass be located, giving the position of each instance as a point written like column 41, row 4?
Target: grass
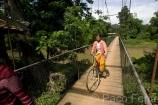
column 136, row 47
column 140, row 43
column 16, row 53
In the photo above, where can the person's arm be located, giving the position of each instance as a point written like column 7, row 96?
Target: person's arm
column 15, row 86
column 33, row 103
column 93, row 48
column 105, row 49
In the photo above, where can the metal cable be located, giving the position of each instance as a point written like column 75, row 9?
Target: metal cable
column 107, row 11
column 34, row 64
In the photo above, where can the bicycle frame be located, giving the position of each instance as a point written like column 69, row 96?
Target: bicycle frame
column 93, row 78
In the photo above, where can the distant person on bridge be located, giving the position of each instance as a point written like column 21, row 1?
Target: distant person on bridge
column 100, row 51
column 11, row 91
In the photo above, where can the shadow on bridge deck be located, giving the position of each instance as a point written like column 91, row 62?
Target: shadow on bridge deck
column 110, row 90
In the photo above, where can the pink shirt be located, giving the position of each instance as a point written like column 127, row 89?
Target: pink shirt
column 103, row 48
column 11, row 88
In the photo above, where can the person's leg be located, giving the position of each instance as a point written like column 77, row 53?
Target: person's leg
column 102, row 65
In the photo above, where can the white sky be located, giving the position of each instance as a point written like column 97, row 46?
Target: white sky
column 144, row 8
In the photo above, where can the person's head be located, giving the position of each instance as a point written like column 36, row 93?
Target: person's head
column 98, row 37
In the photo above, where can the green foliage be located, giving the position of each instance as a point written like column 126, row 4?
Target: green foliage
column 14, row 41
column 155, row 91
column 60, row 86
column 131, row 89
column 123, row 21
column 69, row 70
column 145, row 64
column 132, row 27
column 50, row 39
column 154, row 20
column 78, row 29
column 133, row 33
column 154, row 27
column 132, row 41
column 144, row 67
column 139, row 42
column 59, row 24
column 144, row 36
column 48, row 98
column 46, row 14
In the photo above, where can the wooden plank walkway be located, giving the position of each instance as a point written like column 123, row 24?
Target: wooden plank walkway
column 110, row 89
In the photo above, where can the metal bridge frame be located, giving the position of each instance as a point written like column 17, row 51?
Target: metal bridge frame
column 145, row 95
column 141, row 87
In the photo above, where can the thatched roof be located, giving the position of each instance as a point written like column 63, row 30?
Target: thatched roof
column 13, row 25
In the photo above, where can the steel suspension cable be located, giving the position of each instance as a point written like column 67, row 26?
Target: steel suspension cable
column 103, row 7
column 107, row 11
column 129, row 15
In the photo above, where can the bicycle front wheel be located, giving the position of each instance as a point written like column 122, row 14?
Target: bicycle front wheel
column 92, row 81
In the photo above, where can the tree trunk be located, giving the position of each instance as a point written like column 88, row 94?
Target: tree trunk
column 15, row 10
column 28, row 49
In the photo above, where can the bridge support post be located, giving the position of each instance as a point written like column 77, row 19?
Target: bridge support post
column 154, row 73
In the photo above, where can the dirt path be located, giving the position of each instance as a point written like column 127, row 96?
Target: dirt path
column 110, row 89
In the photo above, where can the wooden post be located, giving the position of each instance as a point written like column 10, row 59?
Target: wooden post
column 5, row 11
column 154, row 73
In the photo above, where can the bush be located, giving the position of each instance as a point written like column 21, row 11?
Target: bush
column 133, row 41
column 69, row 70
column 144, row 35
column 145, row 64
column 154, row 93
column 48, row 98
column 144, row 67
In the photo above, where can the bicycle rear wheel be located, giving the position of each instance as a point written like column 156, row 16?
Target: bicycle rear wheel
column 93, row 80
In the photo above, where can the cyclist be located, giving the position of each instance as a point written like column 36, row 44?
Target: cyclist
column 11, row 91
column 100, row 51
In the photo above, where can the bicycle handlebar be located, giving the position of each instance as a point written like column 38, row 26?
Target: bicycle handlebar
column 95, row 55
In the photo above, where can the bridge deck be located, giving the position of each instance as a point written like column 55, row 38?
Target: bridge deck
column 110, row 89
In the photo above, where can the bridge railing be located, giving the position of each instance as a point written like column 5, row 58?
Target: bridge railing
column 134, row 91
column 48, row 80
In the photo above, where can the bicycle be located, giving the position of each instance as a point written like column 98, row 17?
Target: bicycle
column 93, row 77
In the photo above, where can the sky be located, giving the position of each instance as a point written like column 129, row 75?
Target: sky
column 143, row 8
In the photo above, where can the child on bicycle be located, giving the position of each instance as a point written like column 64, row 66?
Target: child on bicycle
column 100, row 51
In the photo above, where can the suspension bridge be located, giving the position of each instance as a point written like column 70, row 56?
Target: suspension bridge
column 109, row 87
column 121, row 86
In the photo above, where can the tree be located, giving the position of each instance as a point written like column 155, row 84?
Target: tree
column 85, row 9
column 130, row 25
column 154, row 26
column 47, row 15
column 42, row 15
column 135, row 26
column 54, row 24
column 123, row 21
column 15, row 11
column 76, row 32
